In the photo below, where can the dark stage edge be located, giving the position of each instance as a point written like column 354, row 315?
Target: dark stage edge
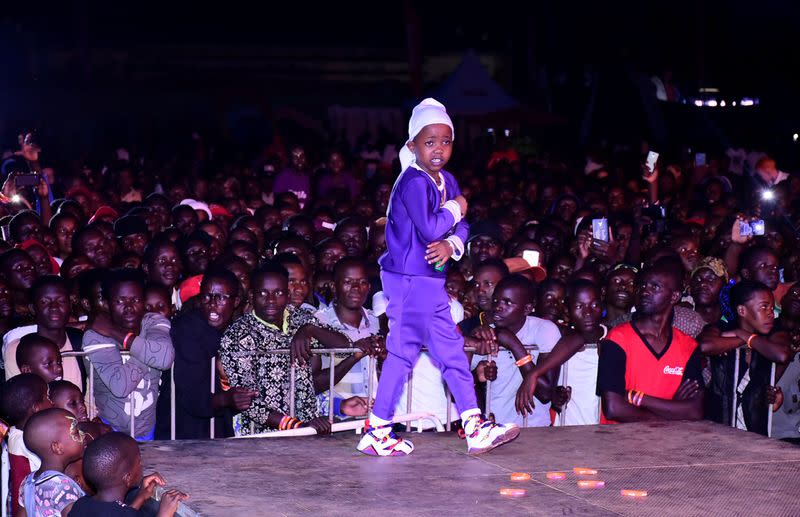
column 688, row 468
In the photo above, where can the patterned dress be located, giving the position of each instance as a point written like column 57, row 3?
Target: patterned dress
column 242, row 352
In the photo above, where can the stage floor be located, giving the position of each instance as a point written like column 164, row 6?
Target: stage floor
column 687, row 468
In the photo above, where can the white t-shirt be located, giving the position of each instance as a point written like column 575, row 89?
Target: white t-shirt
column 535, row 331
column 356, row 380
column 580, row 372
column 72, row 372
column 428, row 393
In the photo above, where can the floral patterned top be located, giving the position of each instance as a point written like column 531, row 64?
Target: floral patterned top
column 48, row 493
column 242, row 355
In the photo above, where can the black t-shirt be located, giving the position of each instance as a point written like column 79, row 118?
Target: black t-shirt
column 88, row 507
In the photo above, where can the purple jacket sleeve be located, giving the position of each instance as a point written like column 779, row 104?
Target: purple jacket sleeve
column 430, row 221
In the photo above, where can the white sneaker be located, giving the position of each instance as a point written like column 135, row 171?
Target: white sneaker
column 484, row 435
column 381, row 441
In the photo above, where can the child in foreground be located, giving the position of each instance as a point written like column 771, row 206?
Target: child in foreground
column 113, row 465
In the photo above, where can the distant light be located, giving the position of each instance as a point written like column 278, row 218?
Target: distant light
column 733, row 103
column 748, row 102
column 721, row 104
column 698, row 103
column 768, row 195
column 15, row 198
column 795, row 137
column 711, row 103
column 709, row 90
column 490, row 130
column 507, row 132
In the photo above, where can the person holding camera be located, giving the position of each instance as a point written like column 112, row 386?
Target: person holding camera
column 24, row 184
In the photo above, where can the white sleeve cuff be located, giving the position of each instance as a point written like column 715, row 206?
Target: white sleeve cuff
column 458, row 246
column 452, row 207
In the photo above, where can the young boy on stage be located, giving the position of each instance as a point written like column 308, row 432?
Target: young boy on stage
column 424, row 229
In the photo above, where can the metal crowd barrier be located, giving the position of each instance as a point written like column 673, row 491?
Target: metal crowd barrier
column 331, row 352
column 735, row 394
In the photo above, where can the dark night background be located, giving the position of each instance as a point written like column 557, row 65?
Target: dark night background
column 88, row 73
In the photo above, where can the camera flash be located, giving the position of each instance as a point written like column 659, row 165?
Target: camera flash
column 767, row 195
column 15, row 198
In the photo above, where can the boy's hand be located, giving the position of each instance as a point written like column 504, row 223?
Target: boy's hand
column 321, row 424
column 735, row 235
column 462, row 203
column 439, row 252
column 486, row 336
column 687, row 390
column 240, row 398
column 147, row 489
column 354, row 406
column 369, row 345
column 561, row 395
column 169, row 503
column 524, row 402
column 775, row 397
column 482, row 347
column 42, row 189
column 488, row 369
column 301, row 345
column 506, row 338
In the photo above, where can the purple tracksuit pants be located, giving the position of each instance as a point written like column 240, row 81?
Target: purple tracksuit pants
column 419, row 315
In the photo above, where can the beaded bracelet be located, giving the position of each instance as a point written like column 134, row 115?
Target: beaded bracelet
column 126, row 342
column 523, row 361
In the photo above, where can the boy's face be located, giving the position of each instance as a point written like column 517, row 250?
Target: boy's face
column 6, row 305
column 135, row 243
column 690, row 255
column 71, row 399
column 705, row 286
column 352, row 287
column 484, row 247
column 20, row 272
column 270, row 296
column 196, row 258
column 79, row 265
column 126, row 306
column 298, row 284
column 246, row 254
column 41, row 260
column 334, row 252
column 185, row 221
column 620, row 289
column 510, row 307
column 165, row 267
column 52, row 307
column 65, row 229
column 759, row 311
column 432, row 147
column 551, row 302
column 454, row 284
column 486, row 279
column 97, row 248
column 764, row 269
column 354, row 239
column 218, row 300
column 155, row 301
column 45, row 361
column 585, row 310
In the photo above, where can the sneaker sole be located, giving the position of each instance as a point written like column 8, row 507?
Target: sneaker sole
column 508, row 436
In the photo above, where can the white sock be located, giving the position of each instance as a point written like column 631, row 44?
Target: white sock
column 375, row 421
column 466, row 415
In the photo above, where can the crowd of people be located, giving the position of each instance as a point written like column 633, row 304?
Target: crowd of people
column 140, row 269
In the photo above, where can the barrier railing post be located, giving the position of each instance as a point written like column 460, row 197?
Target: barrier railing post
column 133, row 410
column 735, row 406
column 5, row 461
column 292, row 380
column 369, row 383
column 770, row 406
column 212, row 429
column 332, row 380
column 562, row 417
column 409, row 390
column 92, row 407
column 172, row 402
column 449, row 406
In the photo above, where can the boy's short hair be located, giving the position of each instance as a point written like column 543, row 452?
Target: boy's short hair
column 117, row 276
column 163, row 290
column 270, row 268
column 220, row 274
column 7, row 256
column 20, row 394
column 108, row 458
column 54, row 387
column 496, row 263
column 580, row 284
column 346, row 262
column 27, row 344
column 20, row 218
column 748, row 257
column 518, row 281
column 158, row 242
column 46, row 281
